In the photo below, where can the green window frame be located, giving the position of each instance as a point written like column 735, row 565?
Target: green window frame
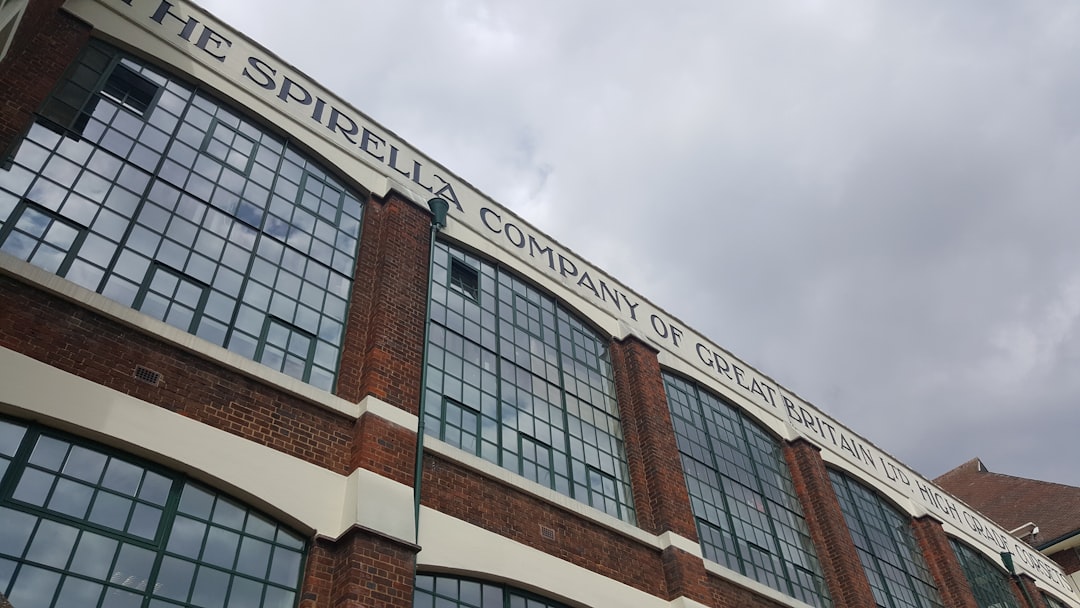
column 1053, row 602
column 127, row 87
column 887, row 548
column 989, row 583
column 173, row 297
column 42, row 237
column 286, row 348
column 265, row 229
column 85, row 525
column 749, row 518
column 228, row 145
column 517, row 379
column 448, row 591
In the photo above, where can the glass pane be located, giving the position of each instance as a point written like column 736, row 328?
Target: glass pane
column 94, row 556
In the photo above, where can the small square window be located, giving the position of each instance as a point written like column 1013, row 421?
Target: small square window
column 130, row 89
column 465, row 278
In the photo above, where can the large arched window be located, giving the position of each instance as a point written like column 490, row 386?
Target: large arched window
column 887, row 548
column 151, row 192
column 748, row 516
column 518, row 380
column 82, row 526
column 988, row 582
column 452, row 592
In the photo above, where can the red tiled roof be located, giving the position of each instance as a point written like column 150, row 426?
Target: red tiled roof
column 1014, row 501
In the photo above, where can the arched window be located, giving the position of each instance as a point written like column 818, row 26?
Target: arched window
column 518, row 380
column 988, row 582
column 1053, row 602
column 887, row 548
column 83, row 526
column 144, row 189
column 452, row 592
column 748, row 516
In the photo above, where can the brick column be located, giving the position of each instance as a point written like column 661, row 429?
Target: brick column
column 836, row 550
column 685, row 576
column 359, row 570
column 383, row 347
column 1023, row 587
column 945, row 568
column 652, row 454
column 46, row 42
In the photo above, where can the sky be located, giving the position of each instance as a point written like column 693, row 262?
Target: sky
column 873, row 203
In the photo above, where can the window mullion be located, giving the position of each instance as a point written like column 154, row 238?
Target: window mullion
column 713, row 452
column 567, row 438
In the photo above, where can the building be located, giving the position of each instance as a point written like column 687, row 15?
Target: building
column 1045, row 515
column 227, row 315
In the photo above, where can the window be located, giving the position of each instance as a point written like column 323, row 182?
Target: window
column 452, row 592
column 748, row 515
column 131, row 90
column 84, row 526
column 519, row 381
column 887, row 548
column 41, row 237
column 1052, row 602
column 286, row 348
column 172, row 297
column 233, row 148
column 989, row 583
column 465, row 278
column 171, row 203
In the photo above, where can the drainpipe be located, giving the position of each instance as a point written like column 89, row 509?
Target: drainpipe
column 439, row 208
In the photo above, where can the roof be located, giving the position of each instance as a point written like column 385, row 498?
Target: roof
column 1015, row 501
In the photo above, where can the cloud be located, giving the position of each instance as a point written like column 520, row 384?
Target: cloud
column 874, row 203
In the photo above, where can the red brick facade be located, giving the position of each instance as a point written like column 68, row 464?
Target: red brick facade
column 661, row 499
column 383, row 358
column 836, row 551
column 943, row 564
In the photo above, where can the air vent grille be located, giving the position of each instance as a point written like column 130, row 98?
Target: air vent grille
column 147, row 375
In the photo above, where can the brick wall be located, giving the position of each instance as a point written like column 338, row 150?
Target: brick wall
column 1024, row 589
column 652, row 454
column 492, row 505
column 384, row 344
column 46, row 43
column 359, row 570
column 91, row 346
column 836, row 550
column 944, row 567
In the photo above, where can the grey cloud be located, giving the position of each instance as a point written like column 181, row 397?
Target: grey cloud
column 875, row 203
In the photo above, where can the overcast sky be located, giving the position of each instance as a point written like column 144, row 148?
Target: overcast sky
column 874, row 203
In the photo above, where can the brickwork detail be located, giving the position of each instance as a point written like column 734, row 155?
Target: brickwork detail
column 360, row 570
column 652, row 454
column 836, row 550
column 383, row 349
column 724, row 594
column 88, row 345
column 504, row 510
column 46, row 43
column 1023, row 587
column 948, row 574
column 385, row 448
